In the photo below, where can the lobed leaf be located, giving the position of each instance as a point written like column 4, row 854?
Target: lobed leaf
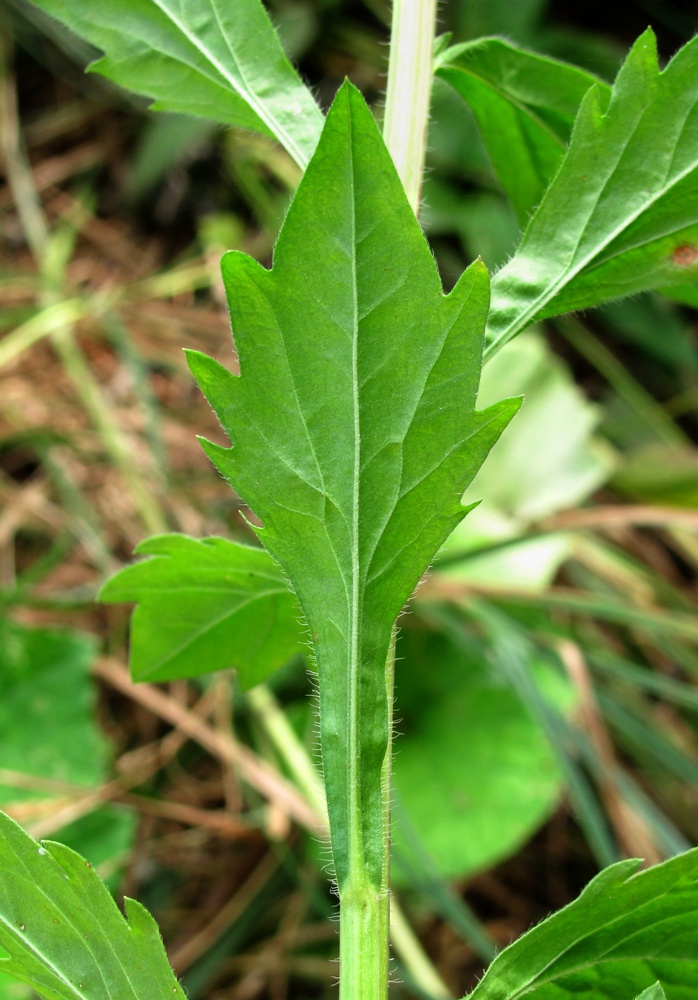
column 354, row 433
column 621, row 214
column 215, row 59
column 206, row 605
column 628, row 929
column 525, row 105
column 65, row 935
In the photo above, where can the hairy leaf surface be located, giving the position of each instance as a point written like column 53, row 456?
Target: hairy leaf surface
column 354, row 433
column 216, row 59
column 64, row 933
column 206, row 605
column 621, row 214
column 525, row 105
column 625, row 932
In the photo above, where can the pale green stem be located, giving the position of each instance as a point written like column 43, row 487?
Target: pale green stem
column 364, row 910
column 406, row 944
column 363, row 937
column 410, row 75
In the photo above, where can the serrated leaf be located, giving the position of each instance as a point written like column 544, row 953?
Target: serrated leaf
column 621, row 214
column 354, row 433
column 215, row 59
column 206, row 605
column 525, row 105
column 626, row 931
column 66, row 936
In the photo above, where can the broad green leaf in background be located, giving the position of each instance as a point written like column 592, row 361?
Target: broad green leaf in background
column 64, row 933
column 215, row 59
column 475, row 774
column 12, row 989
column 48, row 730
column 206, row 605
column 621, row 214
column 40, row 669
column 625, row 932
column 525, row 105
column 354, row 434
column 660, row 474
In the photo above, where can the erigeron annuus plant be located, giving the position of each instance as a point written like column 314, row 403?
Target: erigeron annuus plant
column 354, row 432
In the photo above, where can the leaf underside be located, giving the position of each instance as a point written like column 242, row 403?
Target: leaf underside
column 206, row 605
column 627, row 931
column 621, row 214
column 64, row 933
column 525, row 105
column 354, row 433
column 216, row 59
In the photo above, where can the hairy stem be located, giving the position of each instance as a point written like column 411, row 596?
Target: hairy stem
column 410, row 76
column 364, row 908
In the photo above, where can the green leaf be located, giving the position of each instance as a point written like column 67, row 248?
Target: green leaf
column 64, row 933
column 652, row 993
column 354, row 434
column 39, row 669
column 525, row 105
column 621, row 214
column 626, row 930
column 206, row 605
column 454, row 708
column 215, row 59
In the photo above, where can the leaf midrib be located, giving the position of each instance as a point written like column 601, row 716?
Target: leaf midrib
column 354, row 701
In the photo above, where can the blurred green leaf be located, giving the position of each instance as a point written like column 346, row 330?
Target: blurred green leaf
column 525, row 105
column 206, row 605
column 223, row 62
column 627, row 930
column 47, row 723
column 482, row 220
column 64, row 933
column 661, row 474
column 165, row 142
column 12, row 989
column 474, row 774
column 546, row 461
column 493, row 17
column 621, row 214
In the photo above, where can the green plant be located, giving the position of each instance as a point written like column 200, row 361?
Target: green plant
column 355, row 446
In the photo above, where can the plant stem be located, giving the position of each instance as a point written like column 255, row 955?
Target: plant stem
column 364, row 918
column 410, row 75
column 406, row 945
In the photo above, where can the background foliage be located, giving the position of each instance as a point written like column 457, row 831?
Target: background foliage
column 546, row 681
